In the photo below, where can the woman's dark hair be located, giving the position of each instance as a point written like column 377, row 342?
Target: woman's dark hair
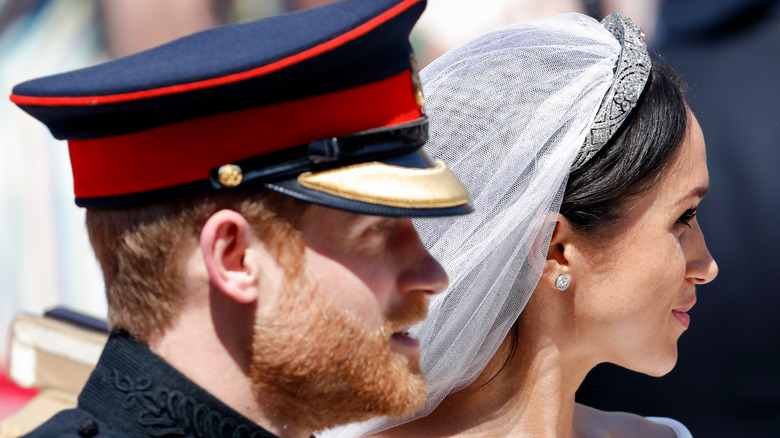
column 632, row 160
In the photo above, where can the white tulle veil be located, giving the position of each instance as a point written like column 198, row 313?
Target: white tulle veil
column 508, row 113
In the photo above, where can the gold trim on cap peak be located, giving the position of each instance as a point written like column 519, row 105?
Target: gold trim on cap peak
column 393, row 186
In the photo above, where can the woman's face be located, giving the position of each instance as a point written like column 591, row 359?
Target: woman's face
column 633, row 296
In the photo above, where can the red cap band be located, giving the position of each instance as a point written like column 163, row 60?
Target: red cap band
column 187, row 151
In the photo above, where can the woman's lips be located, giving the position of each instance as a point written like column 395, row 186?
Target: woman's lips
column 681, row 312
column 683, row 317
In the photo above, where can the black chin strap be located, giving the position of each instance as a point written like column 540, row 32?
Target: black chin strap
column 328, row 153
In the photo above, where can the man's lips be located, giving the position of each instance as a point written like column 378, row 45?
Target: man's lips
column 403, row 342
column 401, row 319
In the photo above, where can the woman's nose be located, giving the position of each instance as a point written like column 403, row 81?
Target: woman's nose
column 701, row 267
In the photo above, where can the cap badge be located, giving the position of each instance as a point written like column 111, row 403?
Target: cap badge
column 230, row 175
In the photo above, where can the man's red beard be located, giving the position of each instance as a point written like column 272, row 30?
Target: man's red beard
column 315, row 365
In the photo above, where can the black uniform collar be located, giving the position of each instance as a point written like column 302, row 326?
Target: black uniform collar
column 144, row 396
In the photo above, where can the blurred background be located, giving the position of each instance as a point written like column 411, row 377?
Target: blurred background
column 727, row 381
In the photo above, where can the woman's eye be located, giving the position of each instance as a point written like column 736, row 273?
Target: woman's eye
column 687, row 217
column 377, row 227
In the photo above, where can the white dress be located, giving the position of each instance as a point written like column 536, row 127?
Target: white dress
column 676, row 426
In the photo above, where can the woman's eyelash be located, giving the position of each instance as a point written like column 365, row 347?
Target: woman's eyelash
column 688, row 216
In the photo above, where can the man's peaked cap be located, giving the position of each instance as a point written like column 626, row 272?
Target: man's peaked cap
column 322, row 104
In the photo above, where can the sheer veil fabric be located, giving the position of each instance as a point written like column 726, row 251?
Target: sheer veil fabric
column 508, row 113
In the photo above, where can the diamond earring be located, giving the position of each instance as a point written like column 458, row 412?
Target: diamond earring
column 562, row 282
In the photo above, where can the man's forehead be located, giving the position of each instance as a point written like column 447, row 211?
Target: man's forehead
column 318, row 215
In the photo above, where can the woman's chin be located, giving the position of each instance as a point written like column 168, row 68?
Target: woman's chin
column 656, row 366
column 660, row 371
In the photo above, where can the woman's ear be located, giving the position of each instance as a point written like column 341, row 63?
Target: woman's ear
column 558, row 260
column 226, row 241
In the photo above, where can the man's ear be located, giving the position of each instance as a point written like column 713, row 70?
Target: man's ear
column 558, row 254
column 226, row 241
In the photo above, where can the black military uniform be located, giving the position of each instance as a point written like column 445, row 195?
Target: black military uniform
column 134, row 393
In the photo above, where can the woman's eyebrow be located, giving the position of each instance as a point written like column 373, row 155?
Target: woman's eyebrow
column 698, row 192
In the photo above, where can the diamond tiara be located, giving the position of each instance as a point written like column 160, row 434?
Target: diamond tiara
column 631, row 74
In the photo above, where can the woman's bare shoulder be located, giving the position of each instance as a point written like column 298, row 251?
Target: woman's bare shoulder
column 590, row 422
